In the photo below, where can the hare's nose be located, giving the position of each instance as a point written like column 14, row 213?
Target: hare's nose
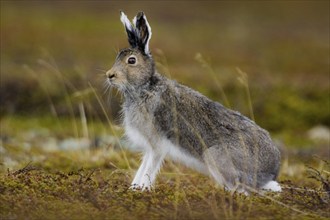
column 110, row 74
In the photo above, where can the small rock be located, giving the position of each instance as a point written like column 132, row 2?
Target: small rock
column 2, row 150
column 75, row 144
column 9, row 162
column 50, row 145
column 35, row 134
column 106, row 140
column 319, row 133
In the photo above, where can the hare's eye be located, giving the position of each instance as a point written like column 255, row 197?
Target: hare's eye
column 131, row 60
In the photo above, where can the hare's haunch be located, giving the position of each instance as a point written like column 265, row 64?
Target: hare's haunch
column 163, row 118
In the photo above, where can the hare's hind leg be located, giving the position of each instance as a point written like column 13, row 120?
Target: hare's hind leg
column 147, row 172
column 221, row 168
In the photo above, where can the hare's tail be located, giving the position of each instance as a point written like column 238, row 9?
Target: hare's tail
column 272, row 186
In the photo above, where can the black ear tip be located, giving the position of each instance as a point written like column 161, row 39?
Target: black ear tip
column 140, row 14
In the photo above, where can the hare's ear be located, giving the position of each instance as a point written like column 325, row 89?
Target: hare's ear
column 131, row 33
column 143, row 31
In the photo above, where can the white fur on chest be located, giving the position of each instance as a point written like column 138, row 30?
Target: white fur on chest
column 138, row 141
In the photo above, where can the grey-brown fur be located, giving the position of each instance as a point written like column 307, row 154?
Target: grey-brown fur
column 234, row 149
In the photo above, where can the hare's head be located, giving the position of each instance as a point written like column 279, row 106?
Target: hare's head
column 134, row 66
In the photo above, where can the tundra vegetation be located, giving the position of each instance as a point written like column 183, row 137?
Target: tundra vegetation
column 61, row 152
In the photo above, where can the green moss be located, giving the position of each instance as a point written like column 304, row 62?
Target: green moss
column 286, row 108
column 93, row 183
column 36, row 191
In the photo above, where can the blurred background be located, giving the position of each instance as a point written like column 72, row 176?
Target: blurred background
column 267, row 59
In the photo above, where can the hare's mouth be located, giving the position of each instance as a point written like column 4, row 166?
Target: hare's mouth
column 111, row 82
column 114, row 83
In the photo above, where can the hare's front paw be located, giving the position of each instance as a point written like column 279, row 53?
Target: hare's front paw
column 138, row 187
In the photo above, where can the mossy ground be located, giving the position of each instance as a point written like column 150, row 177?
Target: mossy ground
column 38, row 192
column 94, row 184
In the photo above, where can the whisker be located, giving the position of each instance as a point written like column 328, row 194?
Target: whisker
column 116, row 49
column 106, row 88
column 101, row 70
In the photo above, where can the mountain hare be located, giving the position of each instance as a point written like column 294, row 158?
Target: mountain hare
column 163, row 118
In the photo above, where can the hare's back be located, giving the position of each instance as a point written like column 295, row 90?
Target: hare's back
column 196, row 123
